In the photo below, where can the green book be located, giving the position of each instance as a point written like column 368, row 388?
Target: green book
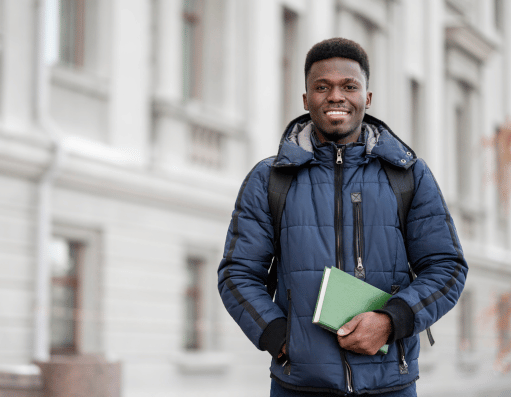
column 342, row 296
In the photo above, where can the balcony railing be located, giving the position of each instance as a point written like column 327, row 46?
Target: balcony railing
column 205, row 147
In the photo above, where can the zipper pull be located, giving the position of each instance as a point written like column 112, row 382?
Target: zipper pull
column 403, row 367
column 360, row 267
column 339, row 155
column 360, row 272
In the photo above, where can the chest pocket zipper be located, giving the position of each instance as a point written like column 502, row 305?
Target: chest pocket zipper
column 358, row 235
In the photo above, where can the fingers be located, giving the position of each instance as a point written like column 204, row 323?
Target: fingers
column 282, row 351
column 365, row 334
column 350, row 326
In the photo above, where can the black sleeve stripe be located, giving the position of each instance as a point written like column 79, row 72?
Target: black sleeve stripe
column 246, row 305
column 438, row 294
column 232, row 287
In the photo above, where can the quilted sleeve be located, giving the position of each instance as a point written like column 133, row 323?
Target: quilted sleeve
column 434, row 252
column 243, row 271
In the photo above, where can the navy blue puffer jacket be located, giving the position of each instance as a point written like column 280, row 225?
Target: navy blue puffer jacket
column 322, row 225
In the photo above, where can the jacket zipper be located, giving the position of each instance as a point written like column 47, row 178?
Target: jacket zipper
column 339, row 166
column 347, row 371
column 403, row 366
column 287, row 363
column 358, row 231
column 338, row 222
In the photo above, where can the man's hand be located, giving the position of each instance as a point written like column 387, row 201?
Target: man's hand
column 282, row 351
column 365, row 333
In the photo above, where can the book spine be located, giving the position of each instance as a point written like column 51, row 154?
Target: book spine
column 319, row 304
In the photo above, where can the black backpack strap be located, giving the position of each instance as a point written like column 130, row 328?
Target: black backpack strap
column 278, row 186
column 403, row 185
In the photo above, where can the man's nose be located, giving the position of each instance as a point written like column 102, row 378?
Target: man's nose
column 336, row 95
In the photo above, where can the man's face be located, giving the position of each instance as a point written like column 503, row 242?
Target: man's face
column 337, row 99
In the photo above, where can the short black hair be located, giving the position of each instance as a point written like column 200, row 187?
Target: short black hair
column 334, row 48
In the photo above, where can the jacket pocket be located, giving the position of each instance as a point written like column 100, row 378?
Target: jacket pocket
column 358, row 235
column 287, row 363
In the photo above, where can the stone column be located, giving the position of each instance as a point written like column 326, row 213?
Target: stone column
column 264, row 75
column 435, row 87
column 17, row 105
column 129, row 115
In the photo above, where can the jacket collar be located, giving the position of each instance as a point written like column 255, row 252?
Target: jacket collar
column 381, row 143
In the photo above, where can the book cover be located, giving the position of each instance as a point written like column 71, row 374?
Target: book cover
column 342, row 296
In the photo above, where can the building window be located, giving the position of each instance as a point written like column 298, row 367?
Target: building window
column 204, row 52
column 504, row 332
column 72, row 32
column 503, row 156
column 463, row 140
column 466, row 327
column 193, row 304
column 193, row 22
column 499, row 15
column 66, row 259
column 464, row 157
column 75, row 313
column 78, row 30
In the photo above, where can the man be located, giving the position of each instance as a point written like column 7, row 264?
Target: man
column 340, row 211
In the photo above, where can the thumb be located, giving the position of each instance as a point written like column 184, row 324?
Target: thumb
column 349, row 327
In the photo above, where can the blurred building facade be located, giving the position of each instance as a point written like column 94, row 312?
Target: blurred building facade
column 127, row 127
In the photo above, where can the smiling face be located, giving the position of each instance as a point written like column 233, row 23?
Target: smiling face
column 337, row 99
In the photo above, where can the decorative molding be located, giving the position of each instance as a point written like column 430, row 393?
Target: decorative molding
column 461, row 6
column 198, row 114
column 373, row 11
column 492, row 260
column 470, row 40
column 463, row 67
column 81, row 82
column 178, row 189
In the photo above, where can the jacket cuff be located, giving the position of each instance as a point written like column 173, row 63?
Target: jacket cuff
column 274, row 337
column 401, row 317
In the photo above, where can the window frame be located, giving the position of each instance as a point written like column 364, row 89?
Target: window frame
column 193, row 25
column 72, row 20
column 89, row 273
column 193, row 334
column 73, row 282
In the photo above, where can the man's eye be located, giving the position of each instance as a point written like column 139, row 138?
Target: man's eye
column 351, row 87
column 321, row 88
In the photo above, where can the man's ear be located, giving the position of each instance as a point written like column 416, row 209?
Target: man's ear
column 305, row 105
column 369, row 98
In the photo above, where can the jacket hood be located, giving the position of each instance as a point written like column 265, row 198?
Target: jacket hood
column 296, row 146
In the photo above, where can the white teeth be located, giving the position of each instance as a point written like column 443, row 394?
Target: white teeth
column 335, row 112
